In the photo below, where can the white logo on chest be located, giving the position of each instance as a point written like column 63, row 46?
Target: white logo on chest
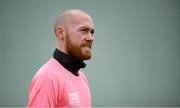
column 73, row 98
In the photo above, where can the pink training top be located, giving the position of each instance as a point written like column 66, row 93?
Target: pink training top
column 54, row 86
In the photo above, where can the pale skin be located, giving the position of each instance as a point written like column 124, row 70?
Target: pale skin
column 74, row 30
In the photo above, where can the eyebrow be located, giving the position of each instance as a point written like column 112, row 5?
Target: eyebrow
column 85, row 27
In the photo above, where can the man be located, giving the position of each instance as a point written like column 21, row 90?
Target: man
column 60, row 83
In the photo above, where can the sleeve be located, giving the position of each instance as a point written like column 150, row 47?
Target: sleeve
column 42, row 93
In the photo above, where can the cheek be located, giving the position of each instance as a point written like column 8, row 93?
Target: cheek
column 75, row 38
column 77, row 41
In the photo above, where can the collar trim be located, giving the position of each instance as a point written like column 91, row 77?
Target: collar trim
column 68, row 62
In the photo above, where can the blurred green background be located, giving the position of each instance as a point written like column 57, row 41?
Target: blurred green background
column 136, row 55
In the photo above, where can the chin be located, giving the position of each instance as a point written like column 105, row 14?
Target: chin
column 87, row 57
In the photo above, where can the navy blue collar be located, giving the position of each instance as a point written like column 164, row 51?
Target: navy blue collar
column 68, row 62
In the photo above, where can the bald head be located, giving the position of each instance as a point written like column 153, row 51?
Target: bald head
column 74, row 30
column 69, row 17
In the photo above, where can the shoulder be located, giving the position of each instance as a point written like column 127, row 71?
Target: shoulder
column 50, row 71
column 83, row 76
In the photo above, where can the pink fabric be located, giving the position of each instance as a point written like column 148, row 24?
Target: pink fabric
column 54, row 86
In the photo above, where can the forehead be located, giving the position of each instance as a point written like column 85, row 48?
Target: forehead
column 82, row 20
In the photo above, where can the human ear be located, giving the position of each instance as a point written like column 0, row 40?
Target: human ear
column 60, row 32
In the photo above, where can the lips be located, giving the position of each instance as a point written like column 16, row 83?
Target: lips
column 87, row 46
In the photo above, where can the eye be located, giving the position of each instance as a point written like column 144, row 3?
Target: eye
column 92, row 32
column 84, row 30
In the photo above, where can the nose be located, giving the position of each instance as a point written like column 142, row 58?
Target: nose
column 89, row 37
